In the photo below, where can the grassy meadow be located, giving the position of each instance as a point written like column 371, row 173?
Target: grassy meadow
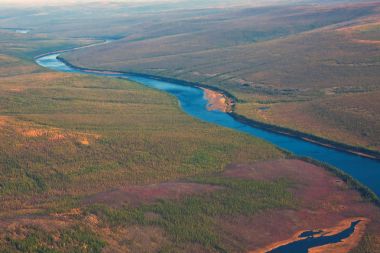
column 79, row 128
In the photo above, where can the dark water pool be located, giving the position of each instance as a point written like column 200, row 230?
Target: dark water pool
column 192, row 101
column 264, row 108
column 303, row 245
column 310, row 233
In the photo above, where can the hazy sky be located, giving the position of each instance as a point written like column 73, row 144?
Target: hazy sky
column 68, row 2
column 28, row 3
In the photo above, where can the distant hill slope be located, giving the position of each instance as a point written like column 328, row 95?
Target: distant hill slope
column 299, row 54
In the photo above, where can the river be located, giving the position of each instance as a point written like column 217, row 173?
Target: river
column 192, row 101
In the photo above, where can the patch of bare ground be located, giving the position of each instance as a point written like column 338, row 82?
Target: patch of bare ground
column 216, row 101
column 16, row 226
column 370, row 42
column 323, row 201
column 54, row 134
column 136, row 195
column 15, row 89
column 134, row 239
column 3, row 120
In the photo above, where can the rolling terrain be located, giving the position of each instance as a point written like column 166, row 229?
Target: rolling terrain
column 95, row 164
column 65, row 137
column 288, row 59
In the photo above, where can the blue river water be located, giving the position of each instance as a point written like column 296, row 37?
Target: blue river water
column 192, row 101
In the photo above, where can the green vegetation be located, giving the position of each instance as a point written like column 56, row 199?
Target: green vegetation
column 366, row 245
column 65, row 137
column 68, row 141
column 193, row 219
column 79, row 129
column 71, row 240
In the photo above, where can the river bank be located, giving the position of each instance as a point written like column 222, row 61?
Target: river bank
column 343, row 244
column 192, row 101
column 231, row 101
column 356, row 174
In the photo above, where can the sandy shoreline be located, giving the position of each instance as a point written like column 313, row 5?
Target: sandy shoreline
column 342, row 247
column 216, row 101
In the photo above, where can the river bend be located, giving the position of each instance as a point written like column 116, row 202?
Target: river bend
column 192, row 101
